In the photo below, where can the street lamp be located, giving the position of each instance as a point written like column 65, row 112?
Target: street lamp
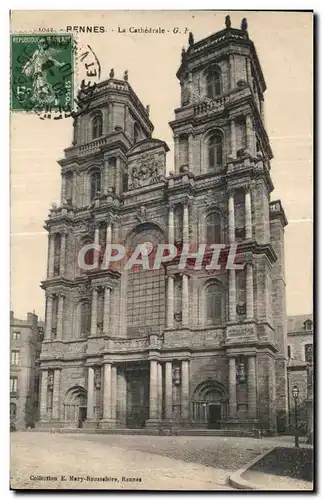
column 295, row 393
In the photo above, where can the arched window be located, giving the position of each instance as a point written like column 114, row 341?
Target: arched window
column 85, row 326
column 57, row 253
column 97, row 125
column 213, row 83
column 136, row 133
column 214, row 303
column 95, row 183
column 89, row 256
column 213, row 229
column 215, row 151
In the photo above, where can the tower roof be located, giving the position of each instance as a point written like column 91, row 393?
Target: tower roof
column 215, row 42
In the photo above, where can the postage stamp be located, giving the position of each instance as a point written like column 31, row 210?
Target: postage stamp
column 42, row 72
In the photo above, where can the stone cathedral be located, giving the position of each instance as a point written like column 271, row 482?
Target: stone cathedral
column 169, row 348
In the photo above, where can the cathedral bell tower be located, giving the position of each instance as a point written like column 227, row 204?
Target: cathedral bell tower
column 221, row 144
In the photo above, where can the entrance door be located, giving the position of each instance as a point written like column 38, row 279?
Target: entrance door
column 137, row 396
column 214, row 416
column 82, row 416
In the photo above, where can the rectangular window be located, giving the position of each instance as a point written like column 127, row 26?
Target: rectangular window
column 15, row 357
column 15, row 335
column 13, row 384
column 289, row 352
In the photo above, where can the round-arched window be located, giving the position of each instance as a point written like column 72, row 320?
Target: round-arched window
column 213, row 83
column 97, row 125
column 215, row 151
column 214, row 303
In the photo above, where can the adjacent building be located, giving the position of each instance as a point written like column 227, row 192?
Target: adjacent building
column 169, row 347
column 300, row 338
column 25, row 346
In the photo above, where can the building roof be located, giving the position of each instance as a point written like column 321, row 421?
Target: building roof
column 296, row 323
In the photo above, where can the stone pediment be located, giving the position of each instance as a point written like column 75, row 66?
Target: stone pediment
column 147, row 145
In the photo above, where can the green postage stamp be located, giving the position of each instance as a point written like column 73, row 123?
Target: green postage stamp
column 42, row 72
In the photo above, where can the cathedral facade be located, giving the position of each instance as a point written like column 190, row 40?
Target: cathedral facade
column 169, row 347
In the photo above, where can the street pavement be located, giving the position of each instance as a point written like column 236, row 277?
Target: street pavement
column 96, row 461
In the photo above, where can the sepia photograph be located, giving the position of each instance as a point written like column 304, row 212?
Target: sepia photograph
column 161, row 247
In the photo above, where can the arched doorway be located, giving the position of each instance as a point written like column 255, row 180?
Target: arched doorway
column 75, row 406
column 210, row 404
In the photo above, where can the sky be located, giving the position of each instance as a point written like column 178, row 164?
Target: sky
column 284, row 45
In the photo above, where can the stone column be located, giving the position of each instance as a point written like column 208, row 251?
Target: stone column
column 107, row 392
column 252, row 387
column 63, row 187
column 110, row 117
column 94, row 312
column 113, row 392
column 232, row 72
column 74, row 193
column 233, row 139
column 185, row 224
column 185, row 300
column 232, row 296
column 160, row 390
column 109, row 233
column 49, row 315
column 90, row 393
column 60, row 316
column 249, row 291
column 249, row 74
column 51, row 243
column 190, row 151
column 56, row 394
column 231, row 217
column 251, row 143
column 62, row 255
column 171, row 229
column 106, row 310
column 185, row 395
column 168, row 390
column 176, row 154
column 43, row 395
column 248, row 214
column 170, row 302
column 96, row 242
column 122, row 397
column 232, row 388
column 153, row 391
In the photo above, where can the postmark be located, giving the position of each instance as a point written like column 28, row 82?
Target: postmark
column 42, row 72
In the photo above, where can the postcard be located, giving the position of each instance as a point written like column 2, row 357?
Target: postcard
column 161, row 324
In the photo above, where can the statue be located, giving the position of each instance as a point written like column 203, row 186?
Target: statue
column 148, row 109
column 135, row 180
column 244, row 24
column 125, row 76
column 227, row 22
column 190, row 38
column 111, row 75
column 183, row 55
column 154, row 174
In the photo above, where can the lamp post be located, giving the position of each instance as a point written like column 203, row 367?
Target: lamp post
column 295, row 393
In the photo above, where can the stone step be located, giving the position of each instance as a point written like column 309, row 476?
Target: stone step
column 152, row 431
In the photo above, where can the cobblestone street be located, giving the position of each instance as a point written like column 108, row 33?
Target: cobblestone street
column 158, row 462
